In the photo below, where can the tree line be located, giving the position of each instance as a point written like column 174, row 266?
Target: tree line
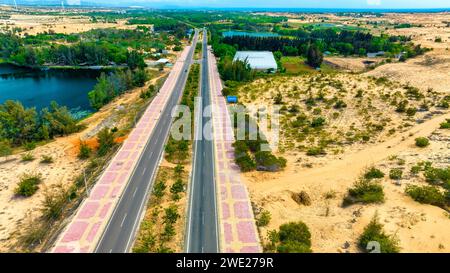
column 344, row 42
column 20, row 125
column 111, row 85
column 96, row 48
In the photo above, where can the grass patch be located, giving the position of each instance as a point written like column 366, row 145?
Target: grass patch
column 28, row 157
column 47, row 159
column 28, row 185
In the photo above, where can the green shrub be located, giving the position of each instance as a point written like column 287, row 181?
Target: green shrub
column 28, row 157
column 318, row 122
column 171, row 215
column 422, row 142
column 54, row 202
column 5, row 148
column 293, row 247
column 411, row 111
column 266, row 161
column 278, row 99
column 263, row 219
column 426, row 195
column 178, row 170
column 373, row 173
column 446, row 124
column 159, row 188
column 294, row 237
column 177, row 188
column 105, row 141
column 314, row 151
column 246, row 163
column 395, row 174
column 29, row 146
column 28, row 185
column 437, row 175
column 364, row 191
column 47, row 159
column 340, row 104
column 374, row 232
column 415, row 169
column 85, row 151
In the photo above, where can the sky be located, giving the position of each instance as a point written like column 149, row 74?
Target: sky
column 343, row 4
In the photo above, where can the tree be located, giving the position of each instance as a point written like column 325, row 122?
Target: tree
column 314, row 56
column 100, row 95
column 135, row 60
column 140, row 76
column 85, row 151
column 5, row 148
column 17, row 123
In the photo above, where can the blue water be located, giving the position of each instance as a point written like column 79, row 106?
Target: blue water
column 34, row 88
column 251, row 34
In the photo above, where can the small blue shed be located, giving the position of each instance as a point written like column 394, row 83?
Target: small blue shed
column 232, row 99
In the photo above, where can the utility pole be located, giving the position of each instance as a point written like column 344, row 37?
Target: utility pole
column 85, row 183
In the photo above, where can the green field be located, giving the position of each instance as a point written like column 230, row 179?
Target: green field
column 297, row 65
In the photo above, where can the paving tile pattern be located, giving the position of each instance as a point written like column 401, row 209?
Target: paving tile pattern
column 85, row 229
column 238, row 232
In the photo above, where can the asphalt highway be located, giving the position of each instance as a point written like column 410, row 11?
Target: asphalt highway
column 201, row 234
column 121, row 230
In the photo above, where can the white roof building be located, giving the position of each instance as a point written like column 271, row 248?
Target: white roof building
column 259, row 60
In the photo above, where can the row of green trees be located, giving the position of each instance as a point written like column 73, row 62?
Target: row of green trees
column 20, row 125
column 345, row 42
column 177, row 151
column 248, row 153
column 235, row 70
column 116, row 83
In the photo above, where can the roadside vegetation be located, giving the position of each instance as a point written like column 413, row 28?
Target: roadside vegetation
column 162, row 229
column 177, row 151
column 249, row 153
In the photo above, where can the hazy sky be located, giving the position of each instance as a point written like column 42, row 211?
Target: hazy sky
column 405, row 4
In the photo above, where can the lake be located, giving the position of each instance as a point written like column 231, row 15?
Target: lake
column 251, row 34
column 36, row 88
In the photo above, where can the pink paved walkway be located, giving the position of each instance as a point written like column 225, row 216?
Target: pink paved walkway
column 85, row 229
column 236, row 222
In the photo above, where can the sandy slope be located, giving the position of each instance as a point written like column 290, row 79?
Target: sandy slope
column 329, row 233
column 15, row 211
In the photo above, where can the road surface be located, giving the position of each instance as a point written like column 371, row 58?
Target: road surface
column 119, row 234
column 202, row 230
